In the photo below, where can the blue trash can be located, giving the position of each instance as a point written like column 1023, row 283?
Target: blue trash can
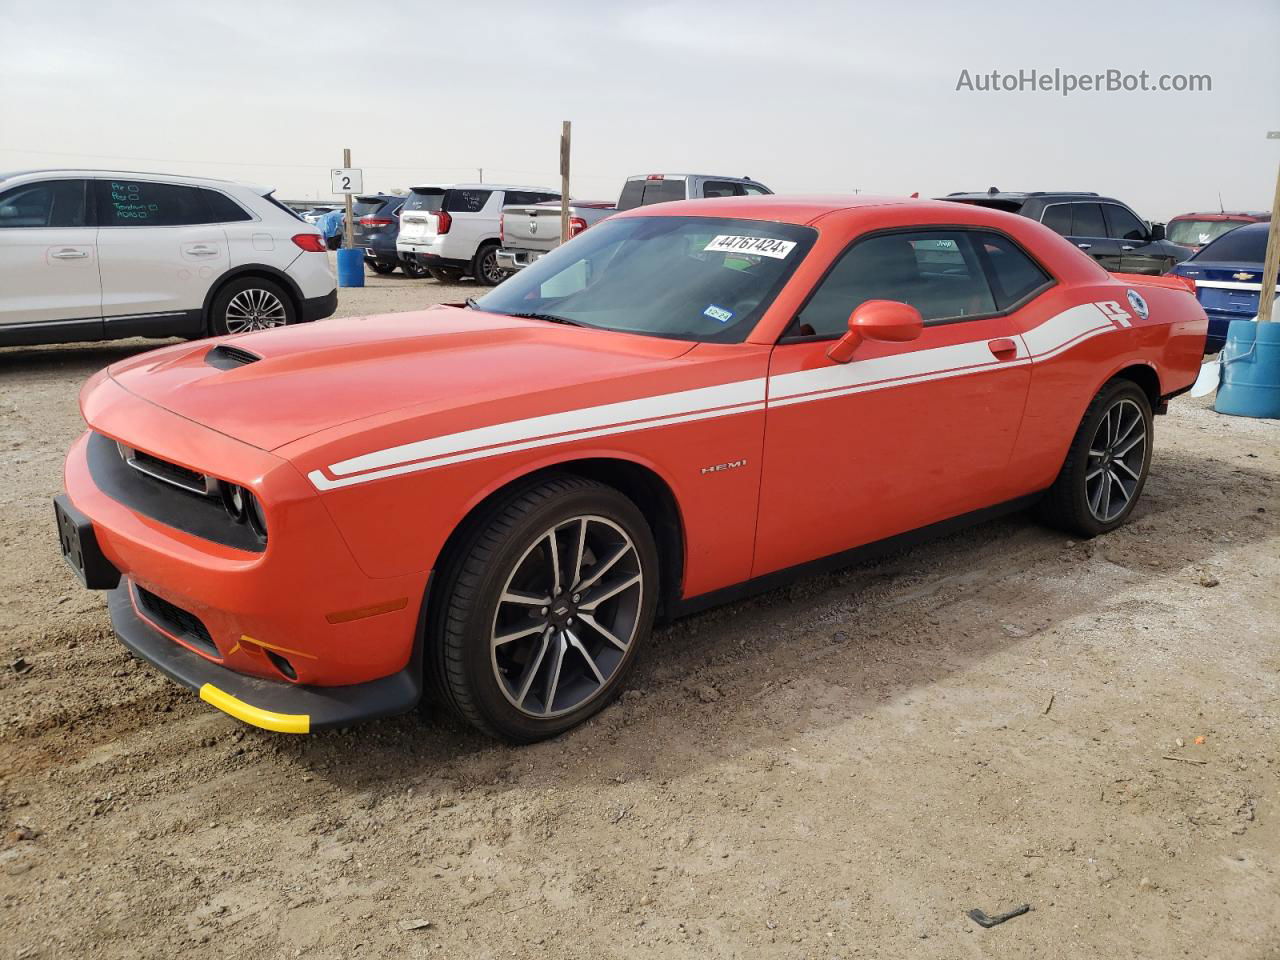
column 350, row 267
column 1250, row 382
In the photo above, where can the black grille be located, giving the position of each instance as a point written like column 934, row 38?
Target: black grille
column 226, row 357
column 164, row 470
column 177, row 621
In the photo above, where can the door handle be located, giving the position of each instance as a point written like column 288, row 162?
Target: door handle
column 69, row 254
column 202, row 251
column 1084, row 246
column 1125, row 246
column 1003, row 348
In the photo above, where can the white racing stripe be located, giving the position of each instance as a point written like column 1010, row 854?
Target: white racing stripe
column 1059, row 333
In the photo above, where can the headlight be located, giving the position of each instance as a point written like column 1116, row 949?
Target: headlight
column 243, row 507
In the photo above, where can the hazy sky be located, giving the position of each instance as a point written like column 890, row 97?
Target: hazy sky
column 805, row 96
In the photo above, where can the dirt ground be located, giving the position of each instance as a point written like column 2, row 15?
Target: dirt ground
column 837, row 769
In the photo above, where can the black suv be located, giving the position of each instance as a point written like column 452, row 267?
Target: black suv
column 376, row 227
column 1104, row 228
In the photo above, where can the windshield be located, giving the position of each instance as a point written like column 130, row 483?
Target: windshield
column 1239, row 246
column 1196, row 233
column 684, row 278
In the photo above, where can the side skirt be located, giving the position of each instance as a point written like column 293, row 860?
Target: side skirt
column 846, row 558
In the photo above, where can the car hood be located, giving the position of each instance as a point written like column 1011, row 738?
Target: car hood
column 315, row 376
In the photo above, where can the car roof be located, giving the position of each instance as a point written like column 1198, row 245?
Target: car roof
column 994, row 194
column 1224, row 215
column 93, row 173
column 687, row 176
column 782, row 209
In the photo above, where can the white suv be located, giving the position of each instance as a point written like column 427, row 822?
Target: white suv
column 100, row 255
column 452, row 229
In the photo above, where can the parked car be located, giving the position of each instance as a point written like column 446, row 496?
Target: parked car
column 452, row 229
column 1106, row 229
column 1228, row 278
column 315, row 214
column 494, row 501
column 528, row 232
column 98, row 255
column 1194, row 230
column 375, row 230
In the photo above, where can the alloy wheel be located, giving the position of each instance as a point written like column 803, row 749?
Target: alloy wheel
column 489, row 269
column 255, row 309
column 567, row 616
column 1116, row 457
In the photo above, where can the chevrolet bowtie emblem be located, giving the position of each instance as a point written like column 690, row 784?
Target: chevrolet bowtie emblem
column 1242, row 276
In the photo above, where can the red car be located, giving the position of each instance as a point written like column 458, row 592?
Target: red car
column 689, row 401
column 1197, row 230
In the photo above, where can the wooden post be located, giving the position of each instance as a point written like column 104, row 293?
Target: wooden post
column 1271, row 265
column 348, row 240
column 564, row 181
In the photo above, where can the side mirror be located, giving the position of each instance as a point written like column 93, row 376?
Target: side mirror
column 1157, row 232
column 885, row 320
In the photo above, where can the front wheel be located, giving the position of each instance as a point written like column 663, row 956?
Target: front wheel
column 1107, row 464
column 545, row 609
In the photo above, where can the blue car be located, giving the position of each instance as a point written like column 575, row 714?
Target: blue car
column 1228, row 276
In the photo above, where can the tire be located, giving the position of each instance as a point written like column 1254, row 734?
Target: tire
column 381, row 268
column 484, row 267
column 1083, row 499
column 445, row 274
column 412, row 268
column 247, row 304
column 507, row 689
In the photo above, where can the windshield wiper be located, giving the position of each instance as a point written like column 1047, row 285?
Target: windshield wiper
column 471, row 302
column 550, row 318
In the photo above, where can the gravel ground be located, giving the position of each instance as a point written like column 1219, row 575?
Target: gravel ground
column 837, row 769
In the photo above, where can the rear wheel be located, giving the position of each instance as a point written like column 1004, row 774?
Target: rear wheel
column 445, row 274
column 485, row 266
column 545, row 609
column 1106, row 467
column 249, row 304
column 381, row 267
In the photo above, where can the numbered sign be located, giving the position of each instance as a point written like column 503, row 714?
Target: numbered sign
column 347, row 179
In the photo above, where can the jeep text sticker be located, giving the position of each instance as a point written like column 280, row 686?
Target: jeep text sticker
column 763, row 246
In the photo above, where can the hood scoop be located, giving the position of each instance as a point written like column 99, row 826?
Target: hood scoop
column 226, row 357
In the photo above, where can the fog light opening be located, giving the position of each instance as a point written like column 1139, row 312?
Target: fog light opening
column 281, row 664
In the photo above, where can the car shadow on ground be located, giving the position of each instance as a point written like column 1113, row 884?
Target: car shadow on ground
column 825, row 649
column 66, row 358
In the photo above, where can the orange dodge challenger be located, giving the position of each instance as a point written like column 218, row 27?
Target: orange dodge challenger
column 311, row 525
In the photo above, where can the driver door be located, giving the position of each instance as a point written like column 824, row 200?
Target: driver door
column 906, row 434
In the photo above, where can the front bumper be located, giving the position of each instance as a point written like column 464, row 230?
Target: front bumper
column 269, row 704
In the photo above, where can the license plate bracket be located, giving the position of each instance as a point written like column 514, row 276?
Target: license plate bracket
column 80, row 547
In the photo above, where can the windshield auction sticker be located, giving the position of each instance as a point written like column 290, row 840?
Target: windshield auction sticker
column 761, row 246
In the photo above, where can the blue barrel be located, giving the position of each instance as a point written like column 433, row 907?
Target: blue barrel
column 350, row 267
column 1250, row 383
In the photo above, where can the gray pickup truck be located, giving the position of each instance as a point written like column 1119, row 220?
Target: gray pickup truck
column 529, row 231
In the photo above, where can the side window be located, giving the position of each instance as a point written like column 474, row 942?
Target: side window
column 1014, row 275
column 1057, row 217
column 936, row 271
column 528, row 197
column 1086, row 220
column 49, row 203
column 141, row 203
column 754, row 190
column 1123, row 225
column 721, row 188
column 219, row 208
column 466, row 201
